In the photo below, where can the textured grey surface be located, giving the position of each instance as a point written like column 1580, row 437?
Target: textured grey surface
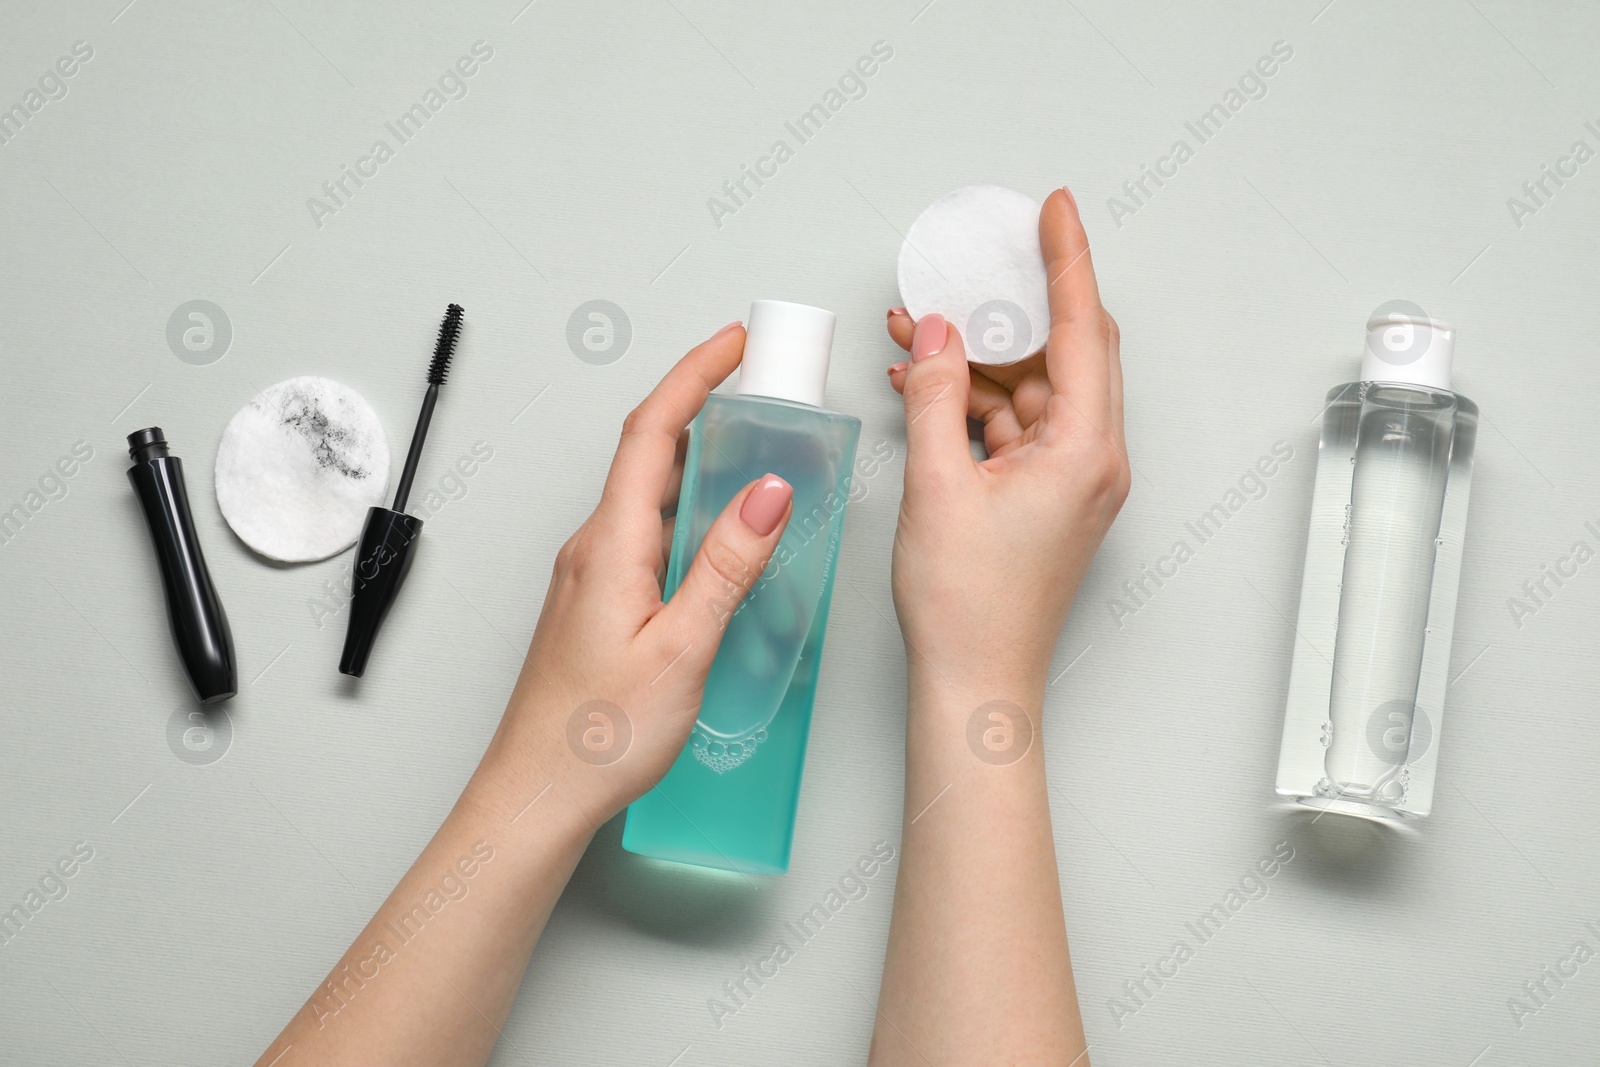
column 578, row 167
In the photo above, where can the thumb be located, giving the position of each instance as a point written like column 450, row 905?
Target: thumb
column 936, row 387
column 734, row 552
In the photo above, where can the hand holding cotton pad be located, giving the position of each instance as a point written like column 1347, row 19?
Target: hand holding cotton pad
column 973, row 256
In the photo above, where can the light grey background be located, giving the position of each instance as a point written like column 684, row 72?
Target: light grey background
column 578, row 167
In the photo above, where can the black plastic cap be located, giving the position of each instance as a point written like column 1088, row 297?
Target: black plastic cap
column 383, row 558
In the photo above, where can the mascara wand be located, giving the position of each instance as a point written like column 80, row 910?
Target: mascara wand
column 449, row 331
column 383, row 556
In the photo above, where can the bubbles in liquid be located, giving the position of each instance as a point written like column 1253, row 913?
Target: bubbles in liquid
column 722, row 755
column 1327, row 734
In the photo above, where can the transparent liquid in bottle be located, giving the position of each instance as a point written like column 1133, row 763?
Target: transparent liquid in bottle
column 1377, row 603
column 730, row 799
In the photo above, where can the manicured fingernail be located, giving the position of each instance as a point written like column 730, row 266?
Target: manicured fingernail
column 726, row 328
column 897, row 368
column 765, row 505
column 1070, row 198
column 930, row 336
column 897, row 311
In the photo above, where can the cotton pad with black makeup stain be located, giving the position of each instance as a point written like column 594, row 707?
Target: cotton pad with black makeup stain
column 299, row 466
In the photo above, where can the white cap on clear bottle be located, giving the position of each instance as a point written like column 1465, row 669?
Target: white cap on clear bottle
column 1408, row 350
column 786, row 352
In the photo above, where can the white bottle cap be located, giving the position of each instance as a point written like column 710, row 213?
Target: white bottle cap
column 1408, row 349
column 786, row 352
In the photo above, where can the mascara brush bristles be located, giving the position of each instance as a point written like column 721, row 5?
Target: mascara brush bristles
column 449, row 332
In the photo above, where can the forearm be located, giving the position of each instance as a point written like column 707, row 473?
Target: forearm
column 432, row 977
column 977, row 969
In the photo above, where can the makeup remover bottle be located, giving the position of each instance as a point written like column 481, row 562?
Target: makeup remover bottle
column 1378, row 600
column 729, row 801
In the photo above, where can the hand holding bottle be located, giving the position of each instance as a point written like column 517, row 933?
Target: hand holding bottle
column 607, row 695
column 989, row 555
column 613, row 677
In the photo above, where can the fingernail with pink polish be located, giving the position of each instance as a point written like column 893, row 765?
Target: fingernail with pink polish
column 726, row 328
column 766, row 504
column 897, row 311
column 930, row 336
column 898, row 367
column 1070, row 198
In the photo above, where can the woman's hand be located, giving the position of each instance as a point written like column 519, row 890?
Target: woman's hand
column 613, row 679
column 608, row 692
column 988, row 556
column 987, row 559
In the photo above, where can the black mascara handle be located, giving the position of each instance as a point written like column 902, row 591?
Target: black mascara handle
column 199, row 625
column 383, row 559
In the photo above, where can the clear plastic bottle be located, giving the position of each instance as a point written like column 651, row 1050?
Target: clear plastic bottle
column 730, row 799
column 1378, row 599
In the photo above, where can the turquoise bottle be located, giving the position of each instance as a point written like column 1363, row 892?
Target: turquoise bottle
column 730, row 800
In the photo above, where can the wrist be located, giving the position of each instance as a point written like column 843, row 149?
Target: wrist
column 527, row 781
column 1017, row 678
column 529, row 825
column 975, row 731
column 995, row 713
column 971, row 654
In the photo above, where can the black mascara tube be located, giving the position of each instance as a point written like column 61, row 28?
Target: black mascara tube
column 199, row 625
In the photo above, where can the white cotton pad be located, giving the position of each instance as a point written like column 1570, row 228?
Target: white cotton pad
column 973, row 256
column 298, row 468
